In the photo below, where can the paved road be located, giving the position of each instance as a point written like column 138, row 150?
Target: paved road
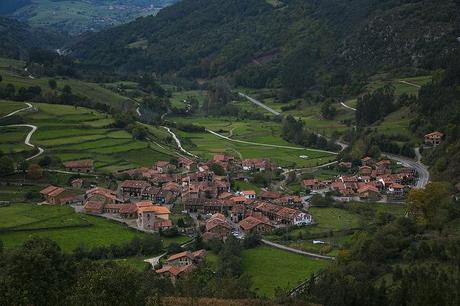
column 422, row 170
column 266, row 144
column 292, row 250
column 271, row 110
column 349, row 107
column 29, row 106
column 179, row 145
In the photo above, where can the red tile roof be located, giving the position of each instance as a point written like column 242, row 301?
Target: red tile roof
column 250, row 222
column 134, row 184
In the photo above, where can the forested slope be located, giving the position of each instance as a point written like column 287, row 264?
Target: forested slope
column 296, row 44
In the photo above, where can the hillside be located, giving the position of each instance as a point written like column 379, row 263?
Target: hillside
column 18, row 38
column 296, row 44
column 75, row 17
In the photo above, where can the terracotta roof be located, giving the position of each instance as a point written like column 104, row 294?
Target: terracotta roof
column 94, row 205
column 248, row 192
column 216, row 220
column 366, row 188
column 134, row 184
column 160, row 210
column 397, row 186
column 48, row 190
column 250, row 222
column 311, row 182
column 270, row 194
column 56, row 192
column 143, row 204
column 84, row 163
column 435, row 134
column 180, row 255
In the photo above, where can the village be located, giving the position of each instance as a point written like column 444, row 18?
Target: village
column 145, row 197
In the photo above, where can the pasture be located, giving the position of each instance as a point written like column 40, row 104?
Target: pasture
column 206, row 144
column 76, row 133
column 61, row 224
column 270, row 268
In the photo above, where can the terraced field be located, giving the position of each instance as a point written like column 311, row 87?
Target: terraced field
column 76, row 133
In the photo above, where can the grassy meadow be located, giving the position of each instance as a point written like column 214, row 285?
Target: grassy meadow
column 38, row 221
column 270, row 268
column 76, row 133
column 206, row 144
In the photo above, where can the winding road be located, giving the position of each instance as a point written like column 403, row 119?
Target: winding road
column 422, row 170
column 266, row 144
column 29, row 135
column 179, row 145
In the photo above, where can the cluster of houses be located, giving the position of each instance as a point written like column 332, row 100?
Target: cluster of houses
column 180, row 264
column 373, row 180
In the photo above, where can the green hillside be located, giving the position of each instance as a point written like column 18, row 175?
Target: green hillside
column 294, row 44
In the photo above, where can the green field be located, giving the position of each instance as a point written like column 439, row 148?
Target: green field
column 94, row 231
column 7, row 107
column 77, row 133
column 261, row 132
column 270, row 268
column 13, row 72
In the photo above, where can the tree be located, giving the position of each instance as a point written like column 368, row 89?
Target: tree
column 328, row 111
column 426, row 205
column 217, row 169
column 35, row 172
column 37, row 273
column 6, row 166
column 52, row 84
column 67, row 90
column 106, row 284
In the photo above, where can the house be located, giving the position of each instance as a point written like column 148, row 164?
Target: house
column 181, row 263
column 133, row 188
column 77, row 183
column 248, row 194
column 83, row 166
column 164, row 166
column 153, row 217
column 186, row 163
column 255, row 225
column 269, row 195
column 103, row 195
column 365, row 170
column 313, row 184
column 57, row 195
column 94, row 207
column 434, row 139
column 289, row 200
column 217, row 227
column 396, row 190
column 369, row 192
column 367, row 161
column 208, row 205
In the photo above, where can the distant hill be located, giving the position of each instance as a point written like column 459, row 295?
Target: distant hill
column 78, row 16
column 298, row 44
column 18, row 38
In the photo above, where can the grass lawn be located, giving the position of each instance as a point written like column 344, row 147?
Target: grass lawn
column 101, row 231
column 332, row 219
column 270, row 268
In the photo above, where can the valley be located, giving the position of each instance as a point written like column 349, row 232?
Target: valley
column 229, row 152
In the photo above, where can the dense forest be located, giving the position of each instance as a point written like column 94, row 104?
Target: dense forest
column 294, row 44
column 17, row 39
